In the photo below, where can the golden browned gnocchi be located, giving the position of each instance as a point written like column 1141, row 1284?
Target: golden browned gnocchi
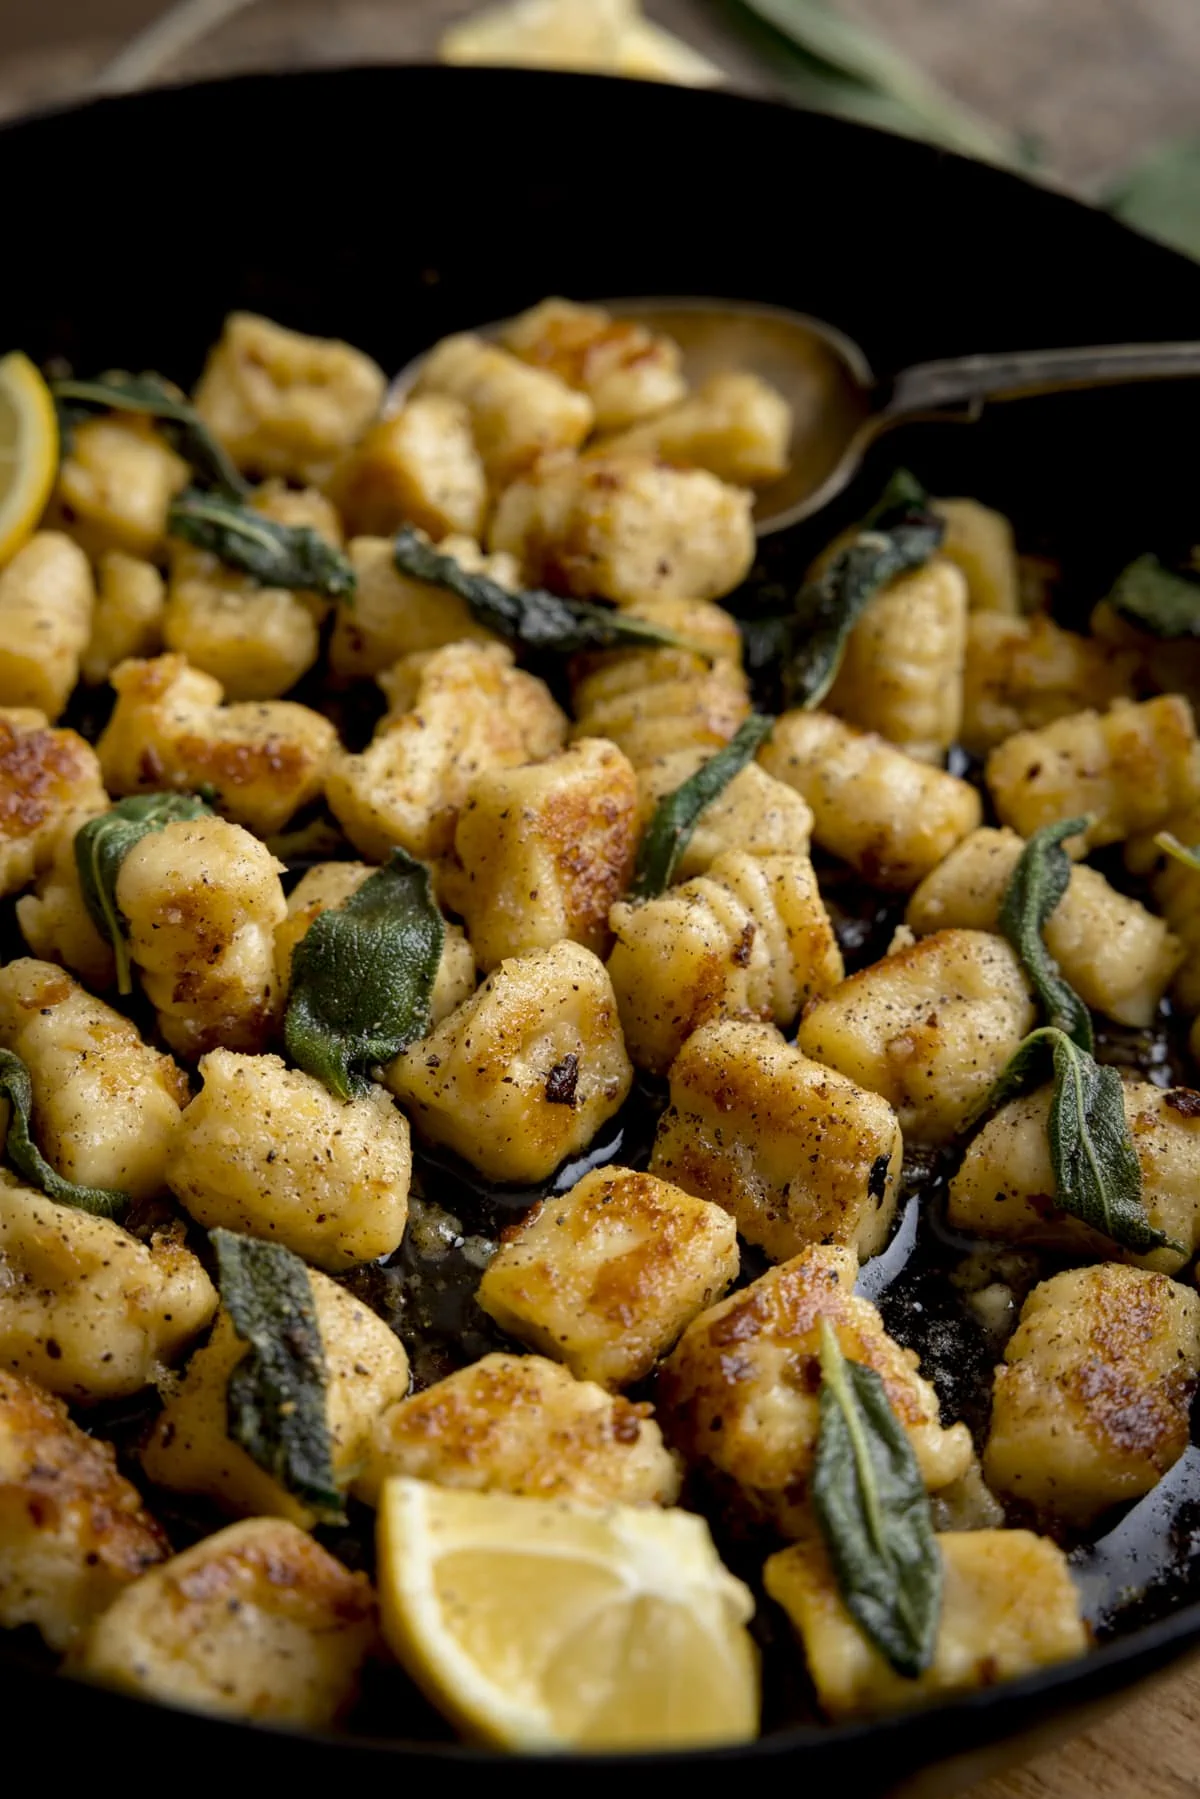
column 73, row 1531
column 627, row 371
column 169, row 729
column 283, row 403
column 795, row 1153
column 394, row 615
column 739, row 1395
column 257, row 1621
column 47, row 598
column 605, row 1277
column 524, row 1073
column 87, row 1310
column 625, row 528
column 735, row 425
column 116, row 482
column 518, row 413
column 267, row 1150
column 980, row 542
column 127, row 619
column 56, row 924
column 191, row 1450
column 543, row 850
column 902, row 670
column 49, row 784
column 756, row 813
column 749, row 939
column 1175, row 887
column 418, row 467
column 1091, row 1404
column 1021, row 674
column 523, row 1424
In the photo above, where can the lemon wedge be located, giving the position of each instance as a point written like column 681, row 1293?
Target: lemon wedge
column 28, row 451
column 546, row 1624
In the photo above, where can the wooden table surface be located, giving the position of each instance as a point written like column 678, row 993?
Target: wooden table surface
column 1096, row 81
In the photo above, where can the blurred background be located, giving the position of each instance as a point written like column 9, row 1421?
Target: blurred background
column 1084, row 91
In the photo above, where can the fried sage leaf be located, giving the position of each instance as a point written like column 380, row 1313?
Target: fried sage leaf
column 1157, row 599
column 101, row 846
column 27, row 1158
column 153, row 397
column 1189, row 855
column 276, row 1398
column 1097, row 1175
column 363, row 975
column 677, row 814
column 1035, row 887
column 873, row 1510
column 530, row 616
column 278, row 555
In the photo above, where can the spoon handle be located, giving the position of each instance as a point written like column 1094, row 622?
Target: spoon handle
column 970, row 381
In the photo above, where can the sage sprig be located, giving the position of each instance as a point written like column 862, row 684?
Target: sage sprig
column 873, row 1510
column 27, row 1158
column 677, row 814
column 276, row 1398
column 529, row 616
column 363, row 977
column 101, row 846
column 293, row 556
column 1035, row 887
column 1157, row 599
column 153, row 396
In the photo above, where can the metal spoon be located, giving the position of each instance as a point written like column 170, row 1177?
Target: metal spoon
column 839, row 406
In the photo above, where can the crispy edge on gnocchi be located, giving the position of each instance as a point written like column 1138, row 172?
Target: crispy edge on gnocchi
column 50, row 784
column 518, row 413
column 418, row 466
column 1021, row 674
column 627, row 371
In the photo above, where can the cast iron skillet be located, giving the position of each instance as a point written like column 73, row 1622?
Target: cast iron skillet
column 389, row 206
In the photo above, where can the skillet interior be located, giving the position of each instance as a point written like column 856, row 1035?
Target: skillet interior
column 389, row 206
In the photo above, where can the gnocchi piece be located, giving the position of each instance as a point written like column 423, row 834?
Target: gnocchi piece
column 1130, row 768
column 736, row 425
column 127, row 618
column 191, row 1451
column 931, row 1028
column 902, row 670
column 755, row 813
column 46, row 603
column 522, row 1424
column 265, row 760
column 394, row 615
column 116, row 483
column 269, row 1151
column 795, row 1153
column 455, row 711
column 87, row 1310
column 1118, row 956
column 283, row 403
column 749, row 939
column 201, row 899
column 606, row 1277
column 49, row 784
column 256, row 640
column 517, row 413
column 330, row 884
column 543, row 850
column 105, row 1105
column 57, row 925
column 740, row 1394
column 1009, row 1606
column 73, row 1532
column 1175, row 888
column 980, row 542
column 417, row 467
column 625, row 528
column 526, row 1071
column 255, row 1622
column 658, row 703
column 1091, row 1406
column 891, row 817
column 1158, row 664
column 1021, row 674
column 1005, row 1185
column 627, row 371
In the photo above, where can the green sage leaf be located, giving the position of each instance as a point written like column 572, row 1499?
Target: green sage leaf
column 293, row 556
column 1180, row 852
column 276, row 1398
column 27, row 1158
column 677, row 814
column 1035, row 887
column 363, row 975
column 873, row 1510
column 154, row 397
column 1157, row 599
column 530, row 616
column 101, row 846
column 1161, row 195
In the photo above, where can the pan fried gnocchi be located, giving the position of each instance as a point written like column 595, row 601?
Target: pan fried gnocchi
column 462, row 1066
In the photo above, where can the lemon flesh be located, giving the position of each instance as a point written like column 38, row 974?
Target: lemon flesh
column 546, row 1624
column 28, row 451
